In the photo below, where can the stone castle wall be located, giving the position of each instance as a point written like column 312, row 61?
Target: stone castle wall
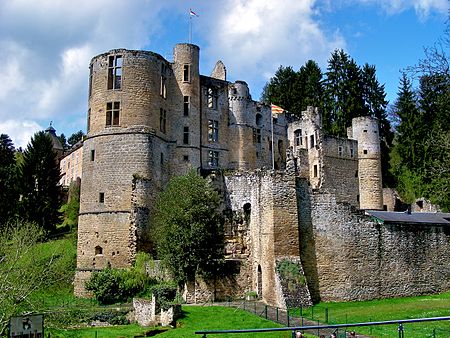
column 347, row 256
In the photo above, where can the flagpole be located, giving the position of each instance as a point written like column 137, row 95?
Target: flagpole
column 190, row 28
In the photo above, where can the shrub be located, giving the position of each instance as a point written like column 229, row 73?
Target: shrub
column 165, row 294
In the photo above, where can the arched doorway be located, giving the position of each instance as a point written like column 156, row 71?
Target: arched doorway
column 259, row 282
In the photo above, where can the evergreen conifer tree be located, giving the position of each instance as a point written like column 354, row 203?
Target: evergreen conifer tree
column 9, row 193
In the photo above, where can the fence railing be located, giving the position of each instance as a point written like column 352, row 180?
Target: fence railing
column 294, row 329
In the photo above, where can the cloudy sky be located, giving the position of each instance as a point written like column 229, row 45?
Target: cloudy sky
column 46, row 45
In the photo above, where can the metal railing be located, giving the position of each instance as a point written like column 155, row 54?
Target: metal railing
column 293, row 329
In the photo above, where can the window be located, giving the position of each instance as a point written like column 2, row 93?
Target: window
column 185, row 158
column 115, row 72
column 356, row 173
column 92, row 154
column 90, row 80
column 352, row 152
column 315, row 170
column 112, row 113
column 256, row 135
column 258, row 118
column 101, row 197
column 186, row 135
column 311, row 142
column 187, row 105
column 211, row 98
column 357, row 198
column 162, row 120
column 186, row 73
column 365, row 130
column 213, row 158
column 89, row 120
column 98, row 250
column 162, row 158
column 340, row 151
column 163, row 86
column 213, row 131
column 365, row 151
column 298, row 137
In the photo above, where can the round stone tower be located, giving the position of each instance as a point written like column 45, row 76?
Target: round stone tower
column 242, row 149
column 186, row 119
column 365, row 131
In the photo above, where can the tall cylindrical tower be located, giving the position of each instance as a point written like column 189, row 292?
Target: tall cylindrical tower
column 242, row 149
column 365, row 131
column 186, row 126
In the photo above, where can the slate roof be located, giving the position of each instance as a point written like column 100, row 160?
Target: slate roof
column 411, row 218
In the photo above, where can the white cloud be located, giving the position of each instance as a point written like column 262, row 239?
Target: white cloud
column 20, row 132
column 46, row 46
column 422, row 7
column 255, row 37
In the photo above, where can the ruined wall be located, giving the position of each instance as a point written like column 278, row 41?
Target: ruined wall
column 273, row 226
column 347, row 256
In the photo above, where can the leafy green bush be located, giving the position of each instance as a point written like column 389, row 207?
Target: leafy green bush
column 165, row 294
column 290, row 272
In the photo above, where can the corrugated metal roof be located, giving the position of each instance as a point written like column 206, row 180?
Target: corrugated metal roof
column 415, row 217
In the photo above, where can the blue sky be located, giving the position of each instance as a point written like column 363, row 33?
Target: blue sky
column 46, row 45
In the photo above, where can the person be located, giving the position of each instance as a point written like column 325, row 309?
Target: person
column 298, row 334
column 333, row 335
column 352, row 334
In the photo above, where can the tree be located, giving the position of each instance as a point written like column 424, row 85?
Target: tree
column 40, row 188
column 75, row 137
column 281, row 89
column 72, row 207
column 309, row 86
column 62, row 139
column 9, row 194
column 188, row 229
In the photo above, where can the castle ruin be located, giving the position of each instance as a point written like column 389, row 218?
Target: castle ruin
column 293, row 193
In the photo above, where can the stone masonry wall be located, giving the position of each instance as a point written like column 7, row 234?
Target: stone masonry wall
column 350, row 257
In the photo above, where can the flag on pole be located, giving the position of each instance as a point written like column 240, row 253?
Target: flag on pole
column 192, row 13
column 276, row 109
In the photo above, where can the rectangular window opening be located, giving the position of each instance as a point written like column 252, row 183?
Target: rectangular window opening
column 186, row 73
column 112, row 114
column 186, row 135
column 256, row 135
column 315, row 170
column 101, row 197
column 162, row 120
column 185, row 158
column 213, row 131
column 213, row 158
column 187, row 105
column 92, row 154
column 115, row 72
column 311, row 141
column 211, row 98
column 340, row 151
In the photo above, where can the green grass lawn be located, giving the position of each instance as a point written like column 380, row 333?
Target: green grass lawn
column 389, row 309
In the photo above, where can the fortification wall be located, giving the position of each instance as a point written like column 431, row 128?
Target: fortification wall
column 347, row 256
column 273, row 226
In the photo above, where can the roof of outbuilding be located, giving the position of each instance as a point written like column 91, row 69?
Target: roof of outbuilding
column 411, row 218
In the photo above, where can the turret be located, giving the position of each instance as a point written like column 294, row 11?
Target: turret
column 365, row 131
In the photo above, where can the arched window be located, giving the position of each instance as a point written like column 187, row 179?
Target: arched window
column 259, row 282
column 247, row 212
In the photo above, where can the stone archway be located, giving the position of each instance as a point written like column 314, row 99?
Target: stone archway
column 259, row 282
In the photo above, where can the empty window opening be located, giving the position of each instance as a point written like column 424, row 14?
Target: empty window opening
column 259, row 282
column 162, row 120
column 311, row 138
column 186, row 158
column 357, row 198
column 213, row 131
column 211, row 98
column 162, row 158
column 256, row 135
column 115, row 72
column 352, row 152
column 92, row 154
column 101, row 197
column 91, row 73
column 340, row 151
column 315, row 170
column 365, row 130
column 247, row 212
column 298, row 137
column 384, row 207
column 89, row 120
column 356, row 173
column 163, row 82
column 187, row 105
column 213, row 158
column 112, row 113
column 365, row 151
column 259, row 119
column 186, row 73
column 186, row 135
column 98, row 250
column 420, row 204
